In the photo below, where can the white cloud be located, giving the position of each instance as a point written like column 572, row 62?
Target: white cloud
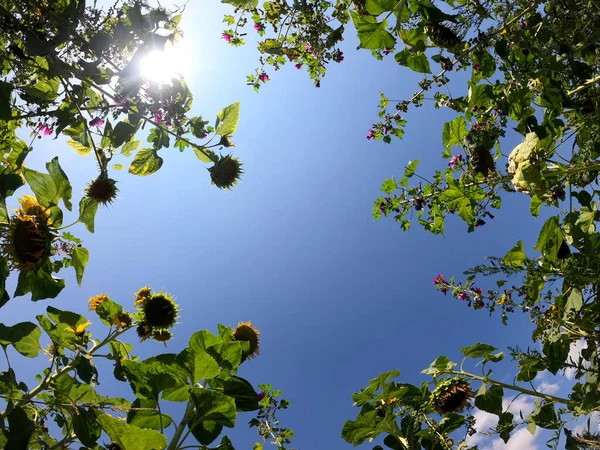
column 520, row 440
column 574, row 354
column 548, row 388
column 582, row 426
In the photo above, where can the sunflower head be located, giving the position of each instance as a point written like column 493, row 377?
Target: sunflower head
column 245, row 331
column 96, row 301
column 226, row 172
column 31, row 207
column 102, row 190
column 160, row 310
column 162, row 336
column 27, row 241
column 122, row 320
column 452, row 395
column 144, row 331
column 142, row 295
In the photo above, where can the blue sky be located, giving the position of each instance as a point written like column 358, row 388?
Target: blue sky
column 338, row 297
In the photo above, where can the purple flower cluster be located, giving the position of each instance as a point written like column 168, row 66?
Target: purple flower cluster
column 455, row 161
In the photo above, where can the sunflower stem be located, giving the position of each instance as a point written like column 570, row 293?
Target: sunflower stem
column 181, row 427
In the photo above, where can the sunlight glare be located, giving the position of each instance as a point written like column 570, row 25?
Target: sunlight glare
column 162, row 66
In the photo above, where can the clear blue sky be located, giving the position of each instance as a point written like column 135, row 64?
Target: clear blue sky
column 338, row 297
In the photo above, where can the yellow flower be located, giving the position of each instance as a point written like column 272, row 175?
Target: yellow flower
column 504, row 32
column 245, row 331
column 502, row 299
column 142, row 295
column 537, row 81
column 52, row 351
column 122, row 320
column 79, row 330
column 96, row 301
column 27, row 241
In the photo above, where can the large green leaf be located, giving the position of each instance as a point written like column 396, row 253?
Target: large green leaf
column 21, row 428
column 227, row 119
column 515, row 256
column 87, row 212
column 213, row 406
column 199, row 364
column 146, row 162
column 205, row 432
column 454, row 132
column 24, row 337
column 86, row 426
column 147, row 416
column 478, row 350
column 80, row 257
column 550, row 239
column 130, row 437
column 49, row 189
column 372, row 34
column 40, row 283
column 376, row 7
column 246, row 398
column 490, row 400
column 122, row 133
column 414, row 60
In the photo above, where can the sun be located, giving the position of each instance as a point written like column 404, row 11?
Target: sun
column 161, row 66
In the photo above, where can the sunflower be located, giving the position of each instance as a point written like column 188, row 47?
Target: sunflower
column 122, row 320
column 142, row 295
column 226, row 172
column 245, row 331
column 452, row 395
column 144, row 331
column 162, row 336
column 160, row 311
column 28, row 240
column 102, row 190
column 96, row 301
column 78, row 330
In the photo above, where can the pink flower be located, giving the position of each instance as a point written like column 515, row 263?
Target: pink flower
column 308, row 47
column 480, row 223
column 258, row 27
column 227, row 37
column 454, row 161
column 338, row 56
column 96, row 122
column 298, row 66
column 45, row 130
column 261, row 396
column 476, row 67
column 263, row 77
column 157, row 118
column 371, row 135
column 439, row 279
column 463, row 296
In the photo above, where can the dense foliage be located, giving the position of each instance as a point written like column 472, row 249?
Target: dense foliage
column 532, row 68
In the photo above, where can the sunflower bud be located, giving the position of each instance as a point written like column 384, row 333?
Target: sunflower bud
column 245, row 331
column 226, row 172
column 102, row 190
column 162, row 336
column 225, row 142
column 452, row 395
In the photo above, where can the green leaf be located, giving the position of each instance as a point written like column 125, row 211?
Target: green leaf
column 213, row 406
column 440, row 365
column 451, row 422
column 201, row 154
column 490, row 400
column 550, row 239
column 49, row 189
column 227, row 120
column 479, row 95
column 130, row 147
column 376, row 7
column 21, row 428
column 107, row 310
column 198, row 364
column 416, row 61
column 478, row 350
column 146, row 162
column 372, row 34
column 389, row 186
column 545, row 417
column 87, row 212
column 130, row 437
column 117, row 166
column 586, row 219
column 536, row 204
column 40, row 283
column 556, row 353
column 79, row 148
column 148, row 416
column 205, row 432
column 242, row 392
column 515, row 256
column 80, row 258
column 574, row 302
column 358, row 431
column 86, row 427
column 24, row 337
column 506, row 425
column 454, row 132
column 5, row 100
column 122, row 133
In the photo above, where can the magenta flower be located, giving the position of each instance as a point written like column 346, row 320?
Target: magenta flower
column 371, row 135
column 227, row 37
column 476, row 67
column 263, row 77
column 463, row 296
column 45, row 130
column 439, row 279
column 338, row 56
column 298, row 66
column 454, row 161
column 157, row 118
column 308, row 47
column 480, row 223
column 261, row 396
column 258, row 27
column 96, row 122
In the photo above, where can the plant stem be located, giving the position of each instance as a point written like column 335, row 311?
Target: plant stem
column 181, row 427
